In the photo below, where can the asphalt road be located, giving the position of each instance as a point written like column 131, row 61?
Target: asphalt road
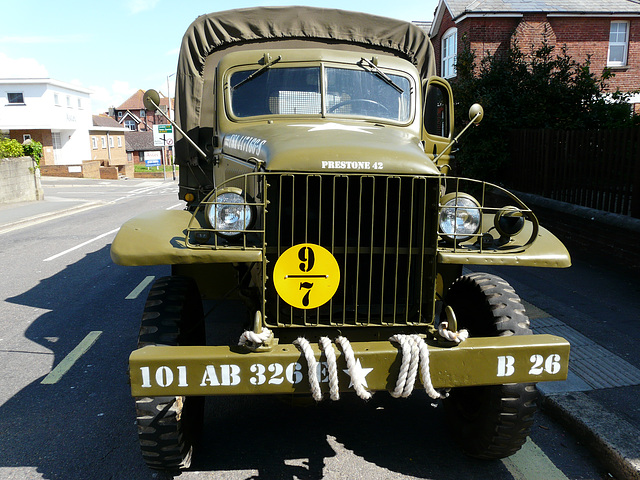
column 65, row 303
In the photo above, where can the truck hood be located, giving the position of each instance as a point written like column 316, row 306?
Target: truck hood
column 330, row 146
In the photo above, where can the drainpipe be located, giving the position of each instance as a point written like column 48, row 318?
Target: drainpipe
column 108, row 149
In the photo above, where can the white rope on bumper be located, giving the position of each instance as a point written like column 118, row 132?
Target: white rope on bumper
column 415, row 356
column 415, row 353
column 330, row 354
column 253, row 340
column 459, row 336
column 303, row 344
column 355, row 371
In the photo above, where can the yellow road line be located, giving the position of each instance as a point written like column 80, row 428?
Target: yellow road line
column 68, row 361
column 530, row 463
column 138, row 290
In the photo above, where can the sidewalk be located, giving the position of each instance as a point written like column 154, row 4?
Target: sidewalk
column 17, row 215
column 599, row 400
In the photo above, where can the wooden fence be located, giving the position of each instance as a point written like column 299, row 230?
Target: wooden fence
column 594, row 168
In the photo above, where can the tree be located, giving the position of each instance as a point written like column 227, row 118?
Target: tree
column 536, row 90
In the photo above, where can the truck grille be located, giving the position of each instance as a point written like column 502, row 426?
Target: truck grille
column 382, row 230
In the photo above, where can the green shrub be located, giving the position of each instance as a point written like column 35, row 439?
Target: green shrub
column 10, row 148
column 34, row 150
column 544, row 88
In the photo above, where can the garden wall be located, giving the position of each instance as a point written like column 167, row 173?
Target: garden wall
column 19, row 180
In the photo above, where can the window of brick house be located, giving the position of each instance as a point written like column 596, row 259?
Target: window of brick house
column 618, row 44
column 104, row 142
column 94, row 142
column 449, row 53
column 131, row 125
column 119, row 141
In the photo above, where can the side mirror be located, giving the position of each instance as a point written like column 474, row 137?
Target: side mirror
column 151, row 100
column 476, row 113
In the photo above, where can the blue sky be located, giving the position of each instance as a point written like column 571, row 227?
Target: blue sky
column 115, row 48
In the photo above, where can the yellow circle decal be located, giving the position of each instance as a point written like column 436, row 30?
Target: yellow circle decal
column 306, row 276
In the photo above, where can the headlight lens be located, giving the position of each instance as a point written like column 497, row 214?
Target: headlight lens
column 459, row 217
column 230, row 213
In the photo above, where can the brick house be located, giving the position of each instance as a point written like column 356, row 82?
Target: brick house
column 608, row 30
column 108, row 145
column 139, row 144
column 134, row 116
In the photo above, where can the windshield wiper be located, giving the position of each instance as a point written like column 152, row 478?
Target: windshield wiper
column 267, row 63
column 382, row 75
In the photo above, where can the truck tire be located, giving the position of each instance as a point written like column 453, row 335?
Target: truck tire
column 490, row 422
column 169, row 426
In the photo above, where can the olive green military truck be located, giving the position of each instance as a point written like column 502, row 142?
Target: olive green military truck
column 314, row 162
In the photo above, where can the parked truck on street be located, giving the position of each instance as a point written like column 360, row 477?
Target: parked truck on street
column 314, row 148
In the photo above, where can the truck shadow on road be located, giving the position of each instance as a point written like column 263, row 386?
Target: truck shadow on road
column 381, row 438
column 83, row 426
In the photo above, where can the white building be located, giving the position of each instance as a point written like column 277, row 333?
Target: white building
column 54, row 113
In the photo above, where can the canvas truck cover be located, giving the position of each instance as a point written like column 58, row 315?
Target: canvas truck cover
column 211, row 33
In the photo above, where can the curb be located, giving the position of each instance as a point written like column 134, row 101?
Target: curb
column 586, row 213
column 36, row 219
column 614, row 441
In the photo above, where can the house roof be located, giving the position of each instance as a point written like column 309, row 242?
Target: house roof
column 136, row 141
column 104, row 121
column 134, row 102
column 460, row 8
column 129, row 114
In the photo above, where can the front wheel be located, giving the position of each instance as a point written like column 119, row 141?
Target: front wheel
column 490, row 422
column 169, row 426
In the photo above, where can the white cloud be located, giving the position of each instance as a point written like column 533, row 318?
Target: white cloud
column 102, row 97
column 137, row 6
column 44, row 39
column 21, row 68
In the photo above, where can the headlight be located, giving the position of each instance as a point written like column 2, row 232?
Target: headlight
column 230, row 212
column 459, row 217
column 509, row 221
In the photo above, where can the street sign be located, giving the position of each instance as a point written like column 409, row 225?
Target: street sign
column 163, row 135
column 153, row 159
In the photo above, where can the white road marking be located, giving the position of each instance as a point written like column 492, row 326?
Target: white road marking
column 174, row 206
column 73, row 356
column 147, row 189
column 53, row 257
column 138, row 290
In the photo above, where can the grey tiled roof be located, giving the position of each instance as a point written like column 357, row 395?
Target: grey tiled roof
column 135, row 141
column 100, row 121
column 460, row 7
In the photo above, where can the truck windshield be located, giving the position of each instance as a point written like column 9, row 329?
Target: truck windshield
column 296, row 91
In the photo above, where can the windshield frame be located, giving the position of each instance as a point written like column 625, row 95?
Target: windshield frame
column 324, row 113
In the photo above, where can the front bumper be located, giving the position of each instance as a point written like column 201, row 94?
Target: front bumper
column 222, row 370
